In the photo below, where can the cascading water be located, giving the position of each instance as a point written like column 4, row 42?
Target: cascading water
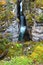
column 22, row 21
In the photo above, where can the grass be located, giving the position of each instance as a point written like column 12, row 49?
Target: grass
column 16, row 61
column 17, row 58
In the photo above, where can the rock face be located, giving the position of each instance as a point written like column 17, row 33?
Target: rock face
column 37, row 32
column 13, row 30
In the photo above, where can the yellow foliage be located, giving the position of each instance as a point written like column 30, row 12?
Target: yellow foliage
column 2, row 2
column 22, row 57
column 33, row 55
column 14, row 1
column 39, row 3
column 39, row 49
column 37, row 52
column 29, row 18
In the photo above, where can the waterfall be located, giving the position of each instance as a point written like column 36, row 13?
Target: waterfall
column 23, row 28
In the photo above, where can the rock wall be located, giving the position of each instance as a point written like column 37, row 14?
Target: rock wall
column 37, row 32
column 13, row 29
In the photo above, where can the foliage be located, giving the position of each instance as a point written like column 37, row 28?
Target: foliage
column 29, row 18
column 3, row 2
column 22, row 60
column 6, row 15
column 39, row 3
column 38, row 54
column 15, row 49
column 28, row 53
column 31, row 12
column 17, row 58
column 3, row 42
column 14, row 1
column 39, row 18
